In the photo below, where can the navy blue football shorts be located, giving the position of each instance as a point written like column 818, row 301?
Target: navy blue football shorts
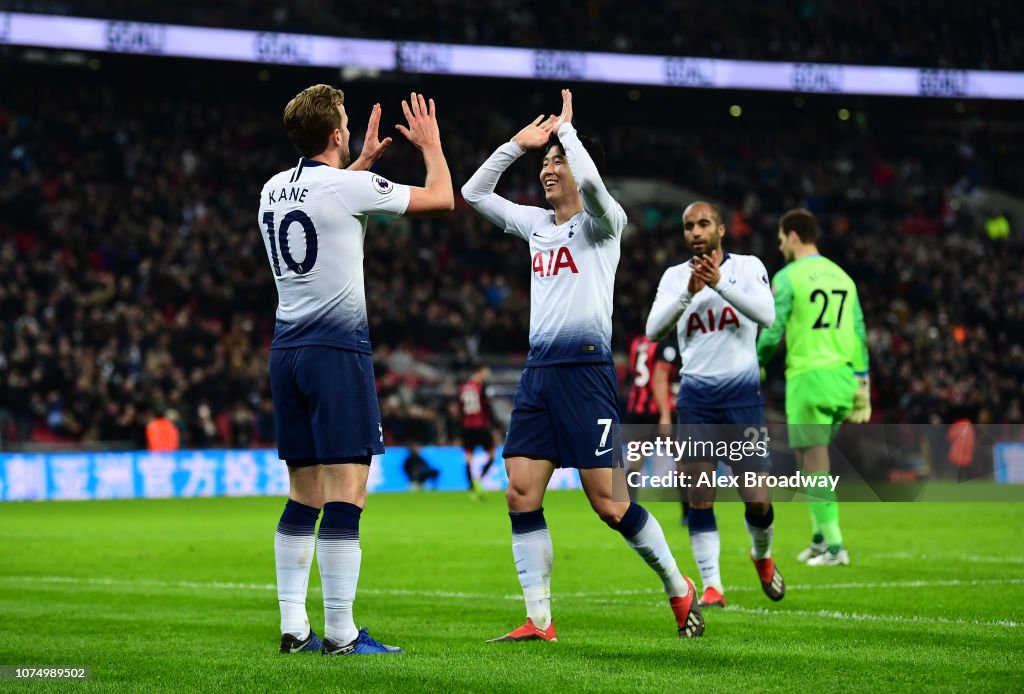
column 736, row 436
column 567, row 413
column 325, row 405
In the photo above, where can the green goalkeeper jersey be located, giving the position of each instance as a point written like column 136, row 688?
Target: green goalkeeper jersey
column 816, row 304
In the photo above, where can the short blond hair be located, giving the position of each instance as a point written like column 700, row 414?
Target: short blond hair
column 311, row 117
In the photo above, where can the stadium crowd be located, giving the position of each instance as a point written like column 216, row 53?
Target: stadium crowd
column 924, row 33
column 134, row 282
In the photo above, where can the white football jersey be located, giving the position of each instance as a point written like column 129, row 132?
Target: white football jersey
column 718, row 336
column 313, row 222
column 573, row 264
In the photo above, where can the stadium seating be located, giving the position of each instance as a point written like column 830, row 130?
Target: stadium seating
column 135, row 281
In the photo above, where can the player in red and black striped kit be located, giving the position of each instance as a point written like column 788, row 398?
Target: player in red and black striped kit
column 653, row 367
column 477, row 426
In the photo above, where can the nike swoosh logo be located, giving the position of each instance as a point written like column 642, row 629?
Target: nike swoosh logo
column 598, row 452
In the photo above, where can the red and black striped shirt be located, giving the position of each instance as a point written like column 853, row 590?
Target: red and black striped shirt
column 644, row 355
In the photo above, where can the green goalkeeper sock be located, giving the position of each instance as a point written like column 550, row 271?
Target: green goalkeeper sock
column 816, row 536
column 825, row 515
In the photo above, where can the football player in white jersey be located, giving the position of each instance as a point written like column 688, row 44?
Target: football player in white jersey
column 717, row 301
column 566, row 410
column 313, row 219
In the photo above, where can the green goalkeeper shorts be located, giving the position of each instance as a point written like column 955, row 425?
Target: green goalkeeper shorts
column 817, row 402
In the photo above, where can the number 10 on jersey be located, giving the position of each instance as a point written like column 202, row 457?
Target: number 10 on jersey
column 279, row 240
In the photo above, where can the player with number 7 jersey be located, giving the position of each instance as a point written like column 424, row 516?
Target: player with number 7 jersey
column 312, row 219
column 566, row 410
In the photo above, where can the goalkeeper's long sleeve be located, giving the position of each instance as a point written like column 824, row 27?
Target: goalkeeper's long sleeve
column 768, row 341
column 861, row 358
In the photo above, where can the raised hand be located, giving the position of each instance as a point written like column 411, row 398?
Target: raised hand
column 706, row 268
column 422, row 130
column 695, row 284
column 536, row 134
column 566, row 115
column 373, row 146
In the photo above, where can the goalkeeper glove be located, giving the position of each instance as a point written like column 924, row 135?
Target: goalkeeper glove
column 861, row 411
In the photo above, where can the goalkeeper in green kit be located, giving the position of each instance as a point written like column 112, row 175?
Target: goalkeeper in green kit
column 827, row 382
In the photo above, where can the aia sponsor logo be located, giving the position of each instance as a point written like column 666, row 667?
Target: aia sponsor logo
column 554, row 262
column 708, row 324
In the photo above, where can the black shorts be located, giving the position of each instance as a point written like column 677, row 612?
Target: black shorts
column 471, row 438
column 310, row 462
column 642, row 418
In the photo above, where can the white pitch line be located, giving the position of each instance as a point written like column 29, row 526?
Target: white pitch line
column 972, row 558
column 820, row 614
column 861, row 617
column 829, row 614
column 223, row 585
column 827, row 586
column 598, row 597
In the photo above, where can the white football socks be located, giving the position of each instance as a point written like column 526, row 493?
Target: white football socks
column 533, row 555
column 339, row 556
column 649, row 542
column 293, row 555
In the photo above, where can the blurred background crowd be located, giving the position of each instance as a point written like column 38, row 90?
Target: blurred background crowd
column 135, row 285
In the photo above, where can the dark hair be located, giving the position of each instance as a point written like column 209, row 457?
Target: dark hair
column 593, row 147
column 716, row 211
column 802, row 222
column 311, row 117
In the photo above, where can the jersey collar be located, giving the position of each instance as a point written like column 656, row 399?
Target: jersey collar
column 724, row 258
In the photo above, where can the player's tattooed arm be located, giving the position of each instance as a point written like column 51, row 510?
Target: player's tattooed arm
column 373, row 146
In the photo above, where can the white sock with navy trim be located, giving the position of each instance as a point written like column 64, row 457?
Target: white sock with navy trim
column 534, row 555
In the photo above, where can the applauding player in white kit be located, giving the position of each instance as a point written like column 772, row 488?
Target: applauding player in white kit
column 566, row 405
column 717, row 301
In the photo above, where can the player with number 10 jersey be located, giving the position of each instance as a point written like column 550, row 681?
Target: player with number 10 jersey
column 312, row 218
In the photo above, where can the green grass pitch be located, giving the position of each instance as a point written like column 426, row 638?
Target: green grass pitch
column 179, row 595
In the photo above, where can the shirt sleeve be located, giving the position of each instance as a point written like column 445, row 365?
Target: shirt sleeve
column 768, row 341
column 479, row 193
column 609, row 217
column 364, row 192
column 750, row 294
column 669, row 304
column 861, row 357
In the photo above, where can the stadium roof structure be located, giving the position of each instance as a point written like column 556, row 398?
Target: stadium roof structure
column 375, row 56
